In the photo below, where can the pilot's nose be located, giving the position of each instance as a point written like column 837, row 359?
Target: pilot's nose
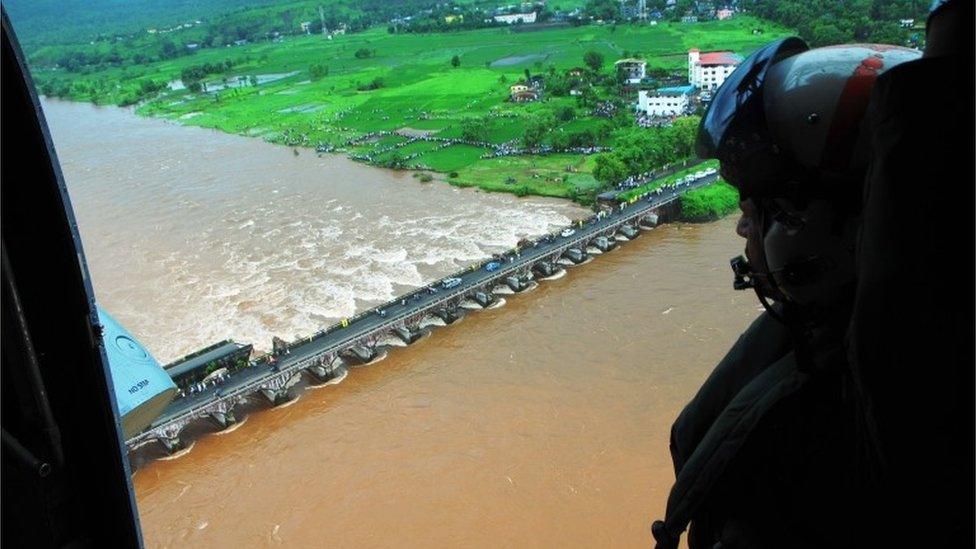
column 745, row 220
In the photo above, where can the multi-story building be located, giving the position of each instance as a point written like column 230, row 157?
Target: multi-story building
column 631, row 71
column 708, row 70
column 673, row 101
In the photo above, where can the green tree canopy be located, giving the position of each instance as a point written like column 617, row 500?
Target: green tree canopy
column 593, row 59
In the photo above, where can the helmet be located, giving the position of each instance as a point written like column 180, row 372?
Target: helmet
column 786, row 128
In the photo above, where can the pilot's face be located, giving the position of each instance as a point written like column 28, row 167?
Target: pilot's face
column 749, row 227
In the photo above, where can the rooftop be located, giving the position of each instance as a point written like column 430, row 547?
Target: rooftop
column 719, row 58
column 214, row 352
column 676, row 90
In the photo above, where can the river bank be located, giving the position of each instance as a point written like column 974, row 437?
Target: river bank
column 194, row 235
column 418, row 90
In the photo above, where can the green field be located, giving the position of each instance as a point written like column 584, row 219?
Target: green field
column 419, row 90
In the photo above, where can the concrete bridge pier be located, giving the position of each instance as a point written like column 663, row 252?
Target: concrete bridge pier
column 170, row 439
column 277, row 397
column 277, row 390
column 172, row 444
column 604, row 244
column 628, row 231
column 361, row 352
column 649, row 221
column 483, row 298
column 575, row 255
column 449, row 316
column 223, row 419
column 544, row 269
column 515, row 283
column 407, row 335
column 325, row 370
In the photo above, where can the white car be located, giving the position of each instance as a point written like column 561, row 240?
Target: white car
column 699, row 175
column 450, row 283
column 689, row 179
column 567, row 232
column 711, row 171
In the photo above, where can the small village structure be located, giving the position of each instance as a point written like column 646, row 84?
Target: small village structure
column 631, row 71
column 523, row 92
column 513, row 18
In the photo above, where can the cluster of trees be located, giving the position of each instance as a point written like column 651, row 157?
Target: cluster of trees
column 364, row 53
column 647, row 149
column 476, row 129
column 373, row 84
column 121, row 45
column 825, row 22
column 582, row 138
column 318, row 71
column 451, row 17
column 709, row 203
column 536, row 128
column 195, row 73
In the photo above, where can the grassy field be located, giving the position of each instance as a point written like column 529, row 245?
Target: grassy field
column 419, row 90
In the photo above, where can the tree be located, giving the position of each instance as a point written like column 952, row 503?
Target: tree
column 169, row 50
column 565, row 113
column 608, row 169
column 318, row 71
column 601, row 9
column 594, row 60
column 475, row 129
column 536, row 130
column 455, row 61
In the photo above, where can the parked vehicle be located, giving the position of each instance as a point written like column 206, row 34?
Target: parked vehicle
column 381, row 312
column 567, row 232
column 492, row 266
column 450, row 282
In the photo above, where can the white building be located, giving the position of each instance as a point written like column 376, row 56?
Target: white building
column 631, row 71
column 724, row 13
column 708, row 70
column 515, row 18
column 665, row 101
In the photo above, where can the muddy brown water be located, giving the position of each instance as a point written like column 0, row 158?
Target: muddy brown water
column 543, row 423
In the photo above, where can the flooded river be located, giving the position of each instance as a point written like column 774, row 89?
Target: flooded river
column 543, row 423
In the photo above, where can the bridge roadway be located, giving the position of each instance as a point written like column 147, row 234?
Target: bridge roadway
column 369, row 325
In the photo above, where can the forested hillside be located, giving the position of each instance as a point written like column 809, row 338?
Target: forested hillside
column 825, row 22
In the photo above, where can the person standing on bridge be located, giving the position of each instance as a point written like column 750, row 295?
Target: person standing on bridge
column 767, row 452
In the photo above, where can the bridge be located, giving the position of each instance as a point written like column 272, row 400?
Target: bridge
column 322, row 356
